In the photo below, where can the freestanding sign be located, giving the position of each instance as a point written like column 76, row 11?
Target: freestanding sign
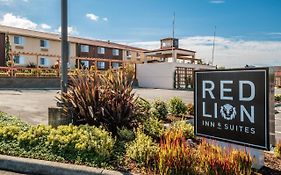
column 233, row 106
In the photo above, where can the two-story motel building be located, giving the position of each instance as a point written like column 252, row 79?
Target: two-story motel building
column 44, row 49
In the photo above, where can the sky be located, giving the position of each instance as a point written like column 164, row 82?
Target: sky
column 247, row 31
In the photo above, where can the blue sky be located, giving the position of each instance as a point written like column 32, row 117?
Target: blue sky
column 144, row 22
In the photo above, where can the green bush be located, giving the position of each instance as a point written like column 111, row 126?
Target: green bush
column 6, row 120
column 177, row 107
column 184, row 127
column 277, row 97
column 87, row 141
column 34, row 135
column 153, row 127
column 142, row 109
column 125, row 134
column 142, row 150
column 159, row 109
column 73, row 144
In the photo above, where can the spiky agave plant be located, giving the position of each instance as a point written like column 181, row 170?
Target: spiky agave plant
column 82, row 99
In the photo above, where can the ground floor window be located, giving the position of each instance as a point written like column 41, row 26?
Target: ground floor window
column 101, row 65
column 85, row 64
column 115, row 65
column 18, row 59
column 44, row 62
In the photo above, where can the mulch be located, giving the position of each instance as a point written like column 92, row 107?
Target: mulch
column 272, row 165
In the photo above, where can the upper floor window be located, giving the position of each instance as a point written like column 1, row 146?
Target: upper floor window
column 44, row 43
column 115, row 52
column 44, row 61
column 101, row 65
column 84, row 48
column 18, row 59
column 18, row 40
column 129, row 54
column 101, row 50
column 138, row 55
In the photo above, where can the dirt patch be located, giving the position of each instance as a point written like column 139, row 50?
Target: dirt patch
column 272, row 165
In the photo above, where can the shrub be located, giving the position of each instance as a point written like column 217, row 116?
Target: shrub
column 82, row 99
column 190, row 109
column 9, row 132
column 6, row 120
column 277, row 150
column 34, row 135
column 182, row 126
column 142, row 150
column 177, row 107
column 175, row 156
column 125, row 134
column 159, row 109
column 106, row 100
column 75, row 144
column 277, row 97
column 142, row 109
column 214, row 160
column 118, row 101
column 153, row 127
column 84, row 142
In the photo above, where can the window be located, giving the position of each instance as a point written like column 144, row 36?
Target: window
column 85, row 48
column 101, row 50
column 18, row 59
column 115, row 65
column 85, row 64
column 138, row 55
column 44, row 61
column 129, row 54
column 18, row 40
column 44, row 43
column 101, row 65
column 115, row 52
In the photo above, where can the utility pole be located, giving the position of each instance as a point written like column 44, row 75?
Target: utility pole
column 64, row 46
column 214, row 43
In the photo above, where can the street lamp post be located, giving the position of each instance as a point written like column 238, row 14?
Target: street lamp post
column 64, row 46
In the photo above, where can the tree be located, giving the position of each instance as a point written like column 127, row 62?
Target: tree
column 8, row 49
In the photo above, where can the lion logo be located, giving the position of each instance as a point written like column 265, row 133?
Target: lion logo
column 228, row 112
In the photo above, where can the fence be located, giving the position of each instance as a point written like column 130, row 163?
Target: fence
column 38, row 71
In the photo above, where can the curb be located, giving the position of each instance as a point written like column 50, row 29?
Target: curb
column 42, row 167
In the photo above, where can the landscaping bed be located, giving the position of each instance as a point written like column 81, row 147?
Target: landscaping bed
column 114, row 129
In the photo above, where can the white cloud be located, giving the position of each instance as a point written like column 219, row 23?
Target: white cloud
column 228, row 52
column 92, row 17
column 17, row 21
column 105, row 19
column 71, row 30
column 217, row 1
column 45, row 26
column 9, row 2
column 12, row 20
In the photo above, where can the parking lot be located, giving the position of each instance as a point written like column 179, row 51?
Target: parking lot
column 32, row 105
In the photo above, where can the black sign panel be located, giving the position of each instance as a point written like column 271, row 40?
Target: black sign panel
column 232, row 106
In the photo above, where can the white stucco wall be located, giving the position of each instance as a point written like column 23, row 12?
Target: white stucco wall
column 161, row 75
